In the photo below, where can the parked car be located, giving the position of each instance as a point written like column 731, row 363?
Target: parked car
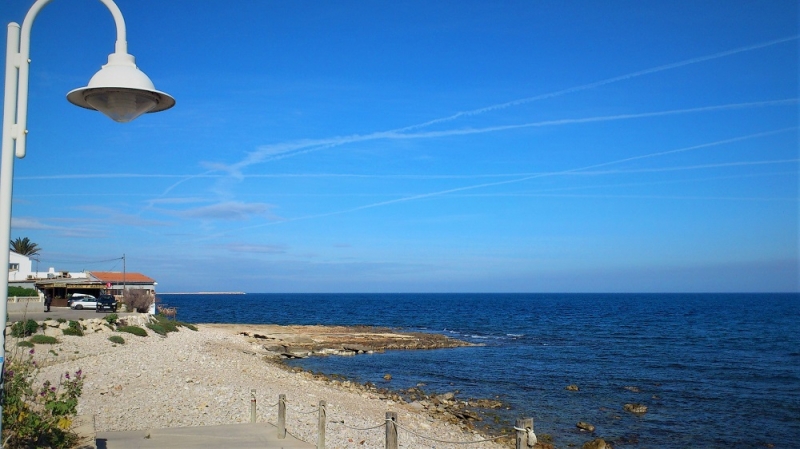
column 106, row 302
column 76, row 296
column 84, row 302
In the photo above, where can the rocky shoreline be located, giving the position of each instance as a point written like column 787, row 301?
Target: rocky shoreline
column 204, row 377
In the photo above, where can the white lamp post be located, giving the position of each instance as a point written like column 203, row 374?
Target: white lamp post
column 119, row 90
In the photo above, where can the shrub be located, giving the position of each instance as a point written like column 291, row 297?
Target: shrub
column 138, row 300
column 62, row 320
column 116, row 339
column 25, row 344
column 169, row 325
column 40, row 339
column 38, row 416
column 135, row 330
column 74, row 328
column 72, row 331
column 157, row 328
column 111, row 318
column 188, row 325
column 21, row 291
column 22, row 329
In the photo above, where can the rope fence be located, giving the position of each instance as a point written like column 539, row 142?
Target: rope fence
column 525, row 437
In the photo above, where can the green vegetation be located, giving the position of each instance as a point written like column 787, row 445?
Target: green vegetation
column 116, row 339
column 20, row 291
column 74, row 328
column 157, row 328
column 22, row 329
column 173, row 325
column 24, row 246
column 135, row 330
column 25, row 344
column 111, row 318
column 61, row 320
column 40, row 339
column 38, row 416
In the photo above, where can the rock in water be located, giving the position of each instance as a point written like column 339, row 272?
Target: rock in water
column 635, row 408
column 585, row 426
column 572, row 388
column 387, row 377
column 598, row 443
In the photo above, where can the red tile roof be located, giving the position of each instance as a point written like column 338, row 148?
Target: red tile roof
column 117, row 277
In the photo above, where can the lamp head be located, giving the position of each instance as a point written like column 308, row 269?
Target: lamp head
column 121, row 91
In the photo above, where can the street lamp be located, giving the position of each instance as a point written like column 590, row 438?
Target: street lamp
column 119, row 90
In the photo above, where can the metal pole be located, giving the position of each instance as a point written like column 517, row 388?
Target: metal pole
column 6, row 185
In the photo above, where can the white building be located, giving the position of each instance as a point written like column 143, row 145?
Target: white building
column 20, row 270
column 19, row 267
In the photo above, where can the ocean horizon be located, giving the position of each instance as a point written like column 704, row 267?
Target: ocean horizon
column 714, row 370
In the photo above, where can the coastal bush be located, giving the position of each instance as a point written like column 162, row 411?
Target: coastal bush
column 25, row 344
column 22, row 329
column 74, row 328
column 72, row 331
column 186, row 325
column 138, row 300
column 111, row 318
column 40, row 339
column 135, row 330
column 38, row 416
column 157, row 328
column 169, row 325
column 62, row 320
column 116, row 339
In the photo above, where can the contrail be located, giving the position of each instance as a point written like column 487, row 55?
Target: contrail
column 615, row 79
column 510, row 181
column 271, row 153
column 280, row 151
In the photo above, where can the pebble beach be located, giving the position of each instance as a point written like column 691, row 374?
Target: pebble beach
column 204, row 377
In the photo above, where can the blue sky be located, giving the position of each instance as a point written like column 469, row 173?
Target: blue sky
column 414, row 146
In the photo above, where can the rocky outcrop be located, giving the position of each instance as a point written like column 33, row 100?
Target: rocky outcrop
column 305, row 341
column 597, row 443
column 638, row 409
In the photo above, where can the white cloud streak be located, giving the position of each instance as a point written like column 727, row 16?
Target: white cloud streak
column 576, row 170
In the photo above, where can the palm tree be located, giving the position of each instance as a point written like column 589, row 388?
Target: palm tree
column 24, row 246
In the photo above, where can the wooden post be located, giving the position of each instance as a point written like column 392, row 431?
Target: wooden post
column 391, row 430
column 281, row 416
column 252, row 405
column 522, row 435
column 321, row 426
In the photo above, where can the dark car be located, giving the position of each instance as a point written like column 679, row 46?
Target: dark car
column 106, row 302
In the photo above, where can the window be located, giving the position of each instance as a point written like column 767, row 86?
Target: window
column 13, row 267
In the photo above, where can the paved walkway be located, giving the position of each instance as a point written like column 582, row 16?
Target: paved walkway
column 240, row 436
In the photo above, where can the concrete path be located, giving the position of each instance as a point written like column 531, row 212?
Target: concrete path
column 244, row 436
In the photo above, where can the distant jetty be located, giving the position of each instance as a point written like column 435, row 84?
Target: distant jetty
column 204, row 293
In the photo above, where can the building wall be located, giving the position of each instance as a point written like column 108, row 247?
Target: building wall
column 19, row 267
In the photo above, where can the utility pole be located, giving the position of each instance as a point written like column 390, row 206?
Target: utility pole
column 124, row 287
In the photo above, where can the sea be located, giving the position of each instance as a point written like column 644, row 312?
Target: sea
column 714, row 370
